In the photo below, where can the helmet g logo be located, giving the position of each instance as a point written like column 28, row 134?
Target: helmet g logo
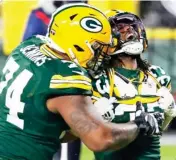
column 91, row 24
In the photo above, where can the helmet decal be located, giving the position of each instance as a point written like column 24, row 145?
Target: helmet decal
column 65, row 6
column 91, row 24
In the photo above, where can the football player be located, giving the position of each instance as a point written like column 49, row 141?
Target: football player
column 136, row 81
column 45, row 91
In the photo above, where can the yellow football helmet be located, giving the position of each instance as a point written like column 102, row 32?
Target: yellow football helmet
column 80, row 31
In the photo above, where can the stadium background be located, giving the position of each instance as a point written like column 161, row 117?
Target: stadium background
column 159, row 17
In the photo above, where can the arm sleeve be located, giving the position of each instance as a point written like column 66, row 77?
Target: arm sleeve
column 161, row 76
column 69, row 79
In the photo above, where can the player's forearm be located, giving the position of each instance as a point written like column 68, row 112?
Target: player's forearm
column 100, row 136
column 122, row 135
column 82, row 118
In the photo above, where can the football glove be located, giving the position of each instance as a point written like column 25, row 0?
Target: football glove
column 167, row 102
column 104, row 107
column 148, row 123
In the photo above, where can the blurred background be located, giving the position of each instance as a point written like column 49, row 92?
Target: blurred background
column 159, row 18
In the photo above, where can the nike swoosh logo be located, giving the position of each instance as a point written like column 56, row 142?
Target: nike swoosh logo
column 78, row 72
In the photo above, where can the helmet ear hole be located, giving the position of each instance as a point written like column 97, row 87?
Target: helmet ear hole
column 73, row 16
column 78, row 48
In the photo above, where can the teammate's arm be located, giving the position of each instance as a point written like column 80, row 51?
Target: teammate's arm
column 97, row 135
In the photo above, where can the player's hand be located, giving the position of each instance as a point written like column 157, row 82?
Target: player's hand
column 104, row 107
column 160, row 119
column 167, row 102
column 148, row 123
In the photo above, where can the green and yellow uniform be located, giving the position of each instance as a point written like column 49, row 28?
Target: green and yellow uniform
column 103, row 85
column 33, row 74
column 141, row 87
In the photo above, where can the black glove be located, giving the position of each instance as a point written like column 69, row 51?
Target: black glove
column 160, row 119
column 147, row 122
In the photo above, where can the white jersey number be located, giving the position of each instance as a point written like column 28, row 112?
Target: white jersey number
column 14, row 91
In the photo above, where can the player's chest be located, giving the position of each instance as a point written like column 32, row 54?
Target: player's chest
column 143, row 89
column 108, row 85
column 141, row 86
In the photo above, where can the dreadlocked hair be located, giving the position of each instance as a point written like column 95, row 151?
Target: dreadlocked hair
column 115, row 61
column 143, row 64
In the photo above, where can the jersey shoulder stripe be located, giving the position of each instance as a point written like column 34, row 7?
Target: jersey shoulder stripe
column 75, row 81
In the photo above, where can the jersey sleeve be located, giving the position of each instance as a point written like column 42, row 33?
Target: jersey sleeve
column 161, row 76
column 69, row 79
column 52, row 76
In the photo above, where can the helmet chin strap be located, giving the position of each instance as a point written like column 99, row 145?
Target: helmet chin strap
column 130, row 48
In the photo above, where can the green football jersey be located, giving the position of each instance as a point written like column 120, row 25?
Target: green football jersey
column 33, row 74
column 103, row 85
column 141, row 87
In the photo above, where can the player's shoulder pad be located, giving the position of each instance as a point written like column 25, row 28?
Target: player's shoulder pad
column 36, row 39
column 67, row 67
column 68, row 73
column 31, row 42
column 160, row 75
